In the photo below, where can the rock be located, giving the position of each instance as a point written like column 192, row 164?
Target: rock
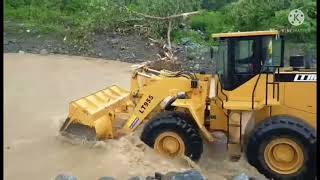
column 100, row 54
column 44, row 52
column 113, row 34
column 242, row 176
column 187, row 175
column 13, row 41
column 185, row 40
column 197, row 66
column 136, row 178
column 21, row 52
column 65, row 177
column 29, row 50
column 158, row 175
column 114, row 41
column 106, row 178
column 151, row 178
column 35, row 50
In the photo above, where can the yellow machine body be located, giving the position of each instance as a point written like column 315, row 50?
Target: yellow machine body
column 150, row 87
column 296, row 99
column 98, row 110
column 236, row 112
column 148, row 90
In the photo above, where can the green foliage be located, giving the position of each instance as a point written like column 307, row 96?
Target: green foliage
column 79, row 19
column 192, row 35
column 210, row 22
column 165, row 7
column 162, row 8
column 249, row 15
column 215, row 4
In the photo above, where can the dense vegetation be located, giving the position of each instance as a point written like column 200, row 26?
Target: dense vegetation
column 79, row 19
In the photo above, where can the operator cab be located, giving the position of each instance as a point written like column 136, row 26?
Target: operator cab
column 243, row 55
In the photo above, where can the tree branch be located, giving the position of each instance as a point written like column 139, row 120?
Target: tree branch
column 164, row 18
column 169, row 34
column 169, row 54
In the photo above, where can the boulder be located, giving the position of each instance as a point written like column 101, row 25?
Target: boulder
column 65, row 177
column 186, row 175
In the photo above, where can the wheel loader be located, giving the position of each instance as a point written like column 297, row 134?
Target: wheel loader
column 265, row 109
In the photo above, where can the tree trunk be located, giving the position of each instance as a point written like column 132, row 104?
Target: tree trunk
column 169, row 34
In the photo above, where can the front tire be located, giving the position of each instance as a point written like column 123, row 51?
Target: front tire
column 283, row 147
column 173, row 134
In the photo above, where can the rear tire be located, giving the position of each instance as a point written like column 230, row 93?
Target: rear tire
column 289, row 135
column 181, row 124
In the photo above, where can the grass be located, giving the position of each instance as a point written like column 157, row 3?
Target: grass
column 77, row 19
column 43, row 20
column 194, row 36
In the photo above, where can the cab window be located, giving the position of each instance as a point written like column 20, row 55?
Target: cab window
column 243, row 56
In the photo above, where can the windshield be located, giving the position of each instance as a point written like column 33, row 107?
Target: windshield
column 240, row 59
column 272, row 53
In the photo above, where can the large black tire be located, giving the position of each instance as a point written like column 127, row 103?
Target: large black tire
column 179, row 123
column 283, row 127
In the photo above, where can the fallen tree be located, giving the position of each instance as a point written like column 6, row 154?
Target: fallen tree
column 168, row 54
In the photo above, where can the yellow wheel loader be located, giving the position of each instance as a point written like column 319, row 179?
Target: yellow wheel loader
column 265, row 109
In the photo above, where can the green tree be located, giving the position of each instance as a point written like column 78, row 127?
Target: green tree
column 163, row 8
column 249, row 15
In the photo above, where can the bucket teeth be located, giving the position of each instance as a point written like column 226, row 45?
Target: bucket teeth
column 65, row 125
column 79, row 131
column 94, row 111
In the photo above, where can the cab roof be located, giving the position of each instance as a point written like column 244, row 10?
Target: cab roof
column 245, row 34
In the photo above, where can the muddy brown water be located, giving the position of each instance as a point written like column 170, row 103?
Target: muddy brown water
column 37, row 90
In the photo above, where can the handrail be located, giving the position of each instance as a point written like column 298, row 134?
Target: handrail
column 255, row 85
column 267, row 83
column 254, row 88
column 278, row 89
column 273, row 83
column 222, row 90
column 217, row 93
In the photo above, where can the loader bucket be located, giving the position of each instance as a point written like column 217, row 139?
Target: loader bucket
column 96, row 113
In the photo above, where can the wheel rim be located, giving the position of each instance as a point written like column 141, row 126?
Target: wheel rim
column 284, row 156
column 169, row 144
